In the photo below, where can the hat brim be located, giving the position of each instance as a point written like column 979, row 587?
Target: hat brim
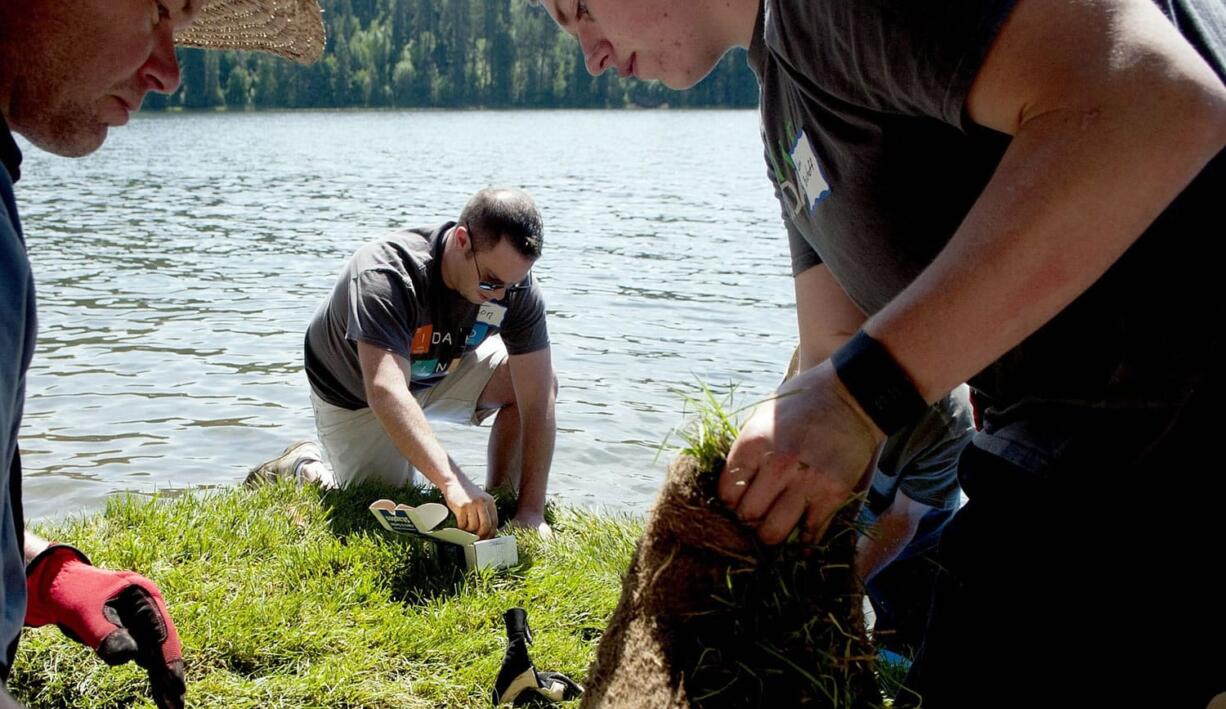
column 293, row 29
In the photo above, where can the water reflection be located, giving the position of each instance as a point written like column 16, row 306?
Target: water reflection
column 178, row 267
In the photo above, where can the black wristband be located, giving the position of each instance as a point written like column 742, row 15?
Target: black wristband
column 877, row 383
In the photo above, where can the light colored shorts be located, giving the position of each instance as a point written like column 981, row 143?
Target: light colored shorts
column 358, row 449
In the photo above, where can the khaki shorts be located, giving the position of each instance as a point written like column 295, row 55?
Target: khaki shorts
column 358, row 449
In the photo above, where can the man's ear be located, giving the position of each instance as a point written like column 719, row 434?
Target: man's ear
column 461, row 235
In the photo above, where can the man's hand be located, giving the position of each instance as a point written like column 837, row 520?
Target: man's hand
column 534, row 521
column 801, row 455
column 120, row 614
column 473, row 507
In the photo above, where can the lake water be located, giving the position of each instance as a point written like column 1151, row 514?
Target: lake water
column 178, row 266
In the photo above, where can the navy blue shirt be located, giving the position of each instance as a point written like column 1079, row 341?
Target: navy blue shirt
column 17, row 332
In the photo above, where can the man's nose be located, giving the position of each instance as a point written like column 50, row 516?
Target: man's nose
column 599, row 58
column 161, row 71
column 597, row 52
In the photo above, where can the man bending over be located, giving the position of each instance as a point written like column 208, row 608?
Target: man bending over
column 441, row 323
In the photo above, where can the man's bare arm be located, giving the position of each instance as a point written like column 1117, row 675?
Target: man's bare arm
column 386, row 378
column 825, row 316
column 1112, row 114
column 889, row 536
column 535, row 395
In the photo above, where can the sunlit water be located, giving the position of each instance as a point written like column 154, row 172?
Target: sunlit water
column 177, row 269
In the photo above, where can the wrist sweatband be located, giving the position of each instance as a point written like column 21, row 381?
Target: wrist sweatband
column 877, row 383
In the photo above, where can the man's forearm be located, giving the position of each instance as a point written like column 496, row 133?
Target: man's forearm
column 890, row 534
column 880, row 545
column 408, row 428
column 34, row 546
column 1051, row 222
column 538, row 432
column 825, row 316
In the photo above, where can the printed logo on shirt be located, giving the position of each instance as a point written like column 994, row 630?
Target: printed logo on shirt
column 424, row 368
column 421, row 340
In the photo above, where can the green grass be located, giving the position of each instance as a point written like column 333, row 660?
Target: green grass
column 711, row 426
column 292, row 597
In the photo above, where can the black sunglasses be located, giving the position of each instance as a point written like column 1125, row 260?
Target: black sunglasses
column 482, row 284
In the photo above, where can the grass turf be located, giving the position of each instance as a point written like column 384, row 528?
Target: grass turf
column 288, row 596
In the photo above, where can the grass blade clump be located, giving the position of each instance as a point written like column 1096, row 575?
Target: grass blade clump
column 709, row 617
column 295, row 597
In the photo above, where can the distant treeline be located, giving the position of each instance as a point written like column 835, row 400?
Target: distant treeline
column 436, row 53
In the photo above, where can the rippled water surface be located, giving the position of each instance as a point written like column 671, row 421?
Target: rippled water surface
column 177, row 269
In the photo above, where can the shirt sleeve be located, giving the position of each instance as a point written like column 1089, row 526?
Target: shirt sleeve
column 911, row 57
column 804, row 256
column 924, row 456
column 525, row 330
column 383, row 311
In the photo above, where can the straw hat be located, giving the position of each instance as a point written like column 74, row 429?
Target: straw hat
column 289, row 28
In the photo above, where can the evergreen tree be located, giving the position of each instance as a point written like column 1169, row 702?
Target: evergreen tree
column 437, row 53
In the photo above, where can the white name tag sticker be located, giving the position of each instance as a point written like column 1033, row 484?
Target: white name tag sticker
column 491, row 314
column 808, row 172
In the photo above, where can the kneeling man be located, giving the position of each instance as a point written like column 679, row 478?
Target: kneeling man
column 442, row 323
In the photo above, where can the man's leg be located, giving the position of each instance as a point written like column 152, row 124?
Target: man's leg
column 901, row 595
column 356, row 448
column 1004, row 628
column 505, row 450
column 1088, row 595
column 481, row 386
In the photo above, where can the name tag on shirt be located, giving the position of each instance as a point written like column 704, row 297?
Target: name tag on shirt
column 808, row 172
column 491, row 314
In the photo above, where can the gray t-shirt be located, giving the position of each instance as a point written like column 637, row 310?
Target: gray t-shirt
column 391, row 295
column 17, row 334
column 876, row 164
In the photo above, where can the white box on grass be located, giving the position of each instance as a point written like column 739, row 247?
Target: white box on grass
column 420, row 521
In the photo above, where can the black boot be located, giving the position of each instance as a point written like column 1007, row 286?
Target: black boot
column 518, row 680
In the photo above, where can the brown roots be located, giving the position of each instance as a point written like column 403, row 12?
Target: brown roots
column 708, row 617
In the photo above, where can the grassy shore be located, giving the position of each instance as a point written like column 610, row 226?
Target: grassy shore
column 293, row 597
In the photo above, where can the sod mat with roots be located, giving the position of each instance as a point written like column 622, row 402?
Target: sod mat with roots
column 709, row 617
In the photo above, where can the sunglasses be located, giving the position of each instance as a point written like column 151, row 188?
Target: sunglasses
column 489, row 286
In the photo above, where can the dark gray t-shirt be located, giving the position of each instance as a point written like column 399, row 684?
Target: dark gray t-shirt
column 17, row 334
column 391, row 295
column 876, row 164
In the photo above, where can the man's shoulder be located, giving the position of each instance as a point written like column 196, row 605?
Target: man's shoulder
column 417, row 240
column 526, row 299
column 409, row 251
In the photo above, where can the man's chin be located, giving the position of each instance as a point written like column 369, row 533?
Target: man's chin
column 682, row 83
column 686, row 77
column 74, row 144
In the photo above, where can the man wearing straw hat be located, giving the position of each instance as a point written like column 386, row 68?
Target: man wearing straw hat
column 70, row 71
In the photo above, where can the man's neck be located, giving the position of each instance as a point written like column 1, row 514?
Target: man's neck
column 446, row 258
column 734, row 20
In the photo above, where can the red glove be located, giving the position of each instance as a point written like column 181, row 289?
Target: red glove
column 120, row 614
